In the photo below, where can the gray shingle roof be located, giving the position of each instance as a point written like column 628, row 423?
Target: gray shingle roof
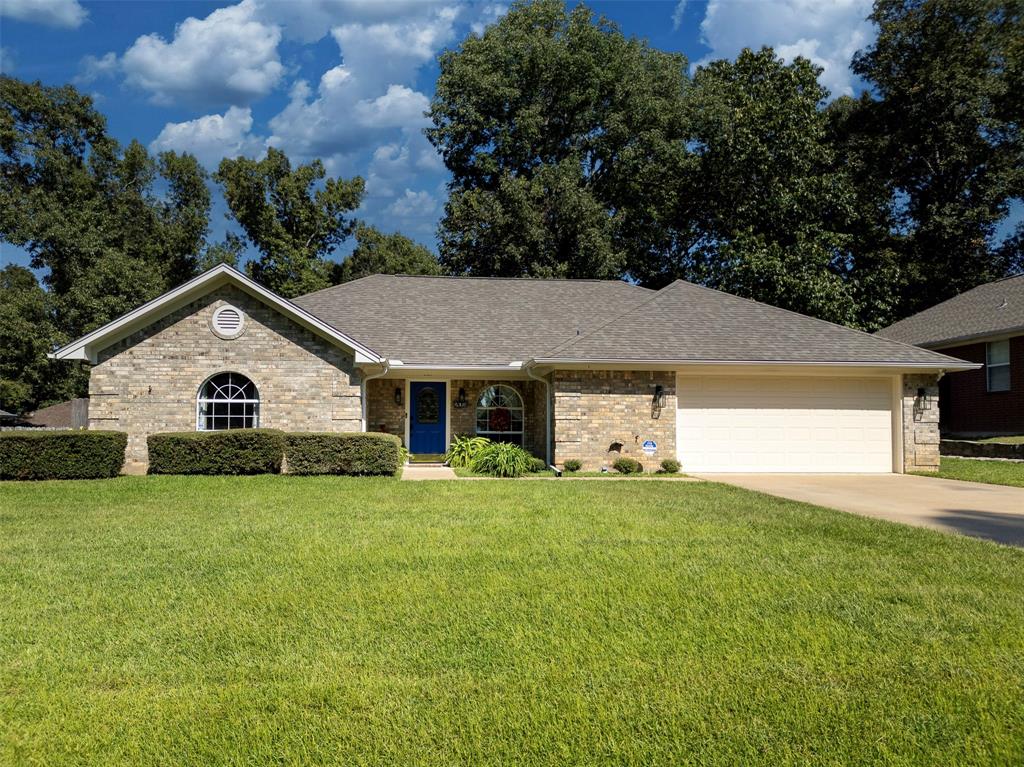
column 479, row 321
column 465, row 320
column 686, row 322
column 996, row 307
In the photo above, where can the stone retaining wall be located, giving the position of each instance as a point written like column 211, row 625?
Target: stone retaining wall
column 968, row 449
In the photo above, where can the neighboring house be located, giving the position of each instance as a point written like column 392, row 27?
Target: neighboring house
column 985, row 325
column 568, row 368
column 71, row 414
column 9, row 419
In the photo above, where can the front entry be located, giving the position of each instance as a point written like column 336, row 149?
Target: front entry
column 427, row 403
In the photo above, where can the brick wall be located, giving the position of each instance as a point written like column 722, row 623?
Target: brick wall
column 601, row 415
column 920, row 423
column 968, row 407
column 382, row 414
column 149, row 381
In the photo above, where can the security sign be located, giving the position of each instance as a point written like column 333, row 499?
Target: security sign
column 649, row 446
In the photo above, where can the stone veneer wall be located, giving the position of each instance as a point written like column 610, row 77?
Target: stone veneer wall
column 384, row 415
column 595, row 409
column 920, row 423
column 149, row 381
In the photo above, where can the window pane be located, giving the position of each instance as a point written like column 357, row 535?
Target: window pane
column 999, row 378
column 998, row 352
column 427, row 409
column 228, row 401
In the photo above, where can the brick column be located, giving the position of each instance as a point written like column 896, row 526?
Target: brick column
column 920, row 422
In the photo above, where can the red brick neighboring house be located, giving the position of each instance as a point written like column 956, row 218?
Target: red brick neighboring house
column 984, row 325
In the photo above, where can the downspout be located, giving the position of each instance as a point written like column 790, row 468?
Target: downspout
column 362, row 392
column 547, row 403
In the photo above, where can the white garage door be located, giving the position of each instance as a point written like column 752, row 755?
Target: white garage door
column 769, row 424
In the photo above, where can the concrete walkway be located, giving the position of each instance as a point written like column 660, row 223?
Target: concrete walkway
column 995, row 512
column 416, row 472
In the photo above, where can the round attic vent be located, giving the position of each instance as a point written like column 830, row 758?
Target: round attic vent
column 228, row 321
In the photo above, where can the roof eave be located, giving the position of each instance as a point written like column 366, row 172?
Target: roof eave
column 88, row 346
column 938, row 365
column 988, row 335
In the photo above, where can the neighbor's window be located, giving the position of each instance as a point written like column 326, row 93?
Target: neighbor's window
column 997, row 365
column 227, row 401
column 499, row 415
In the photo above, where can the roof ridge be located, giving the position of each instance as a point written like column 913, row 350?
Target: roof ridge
column 580, row 336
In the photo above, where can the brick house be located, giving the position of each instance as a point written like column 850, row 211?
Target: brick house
column 985, row 326
column 583, row 369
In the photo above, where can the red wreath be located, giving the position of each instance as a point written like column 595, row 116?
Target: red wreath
column 500, row 419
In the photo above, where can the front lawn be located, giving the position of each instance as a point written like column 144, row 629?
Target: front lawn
column 973, row 470
column 288, row 620
column 1013, row 439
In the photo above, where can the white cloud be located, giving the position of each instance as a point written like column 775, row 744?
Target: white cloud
column 489, row 14
column 318, row 17
column 92, row 68
column 828, row 33
column 414, row 205
column 6, row 60
column 52, row 13
column 228, row 57
column 677, row 15
column 212, row 137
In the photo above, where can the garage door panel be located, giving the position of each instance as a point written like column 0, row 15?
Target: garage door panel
column 773, row 424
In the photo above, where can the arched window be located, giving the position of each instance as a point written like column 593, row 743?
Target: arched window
column 499, row 414
column 227, row 401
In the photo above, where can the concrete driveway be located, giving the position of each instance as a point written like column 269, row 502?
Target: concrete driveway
column 994, row 512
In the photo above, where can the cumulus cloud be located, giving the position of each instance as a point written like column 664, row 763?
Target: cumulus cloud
column 414, row 205
column 827, row 33
column 228, row 57
column 52, row 13
column 212, row 137
column 318, row 17
column 488, row 14
column 92, row 68
column 677, row 14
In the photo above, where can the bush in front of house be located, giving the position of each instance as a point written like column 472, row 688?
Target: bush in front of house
column 237, row 451
column 61, row 454
column 464, row 449
column 628, row 466
column 501, row 459
column 670, row 466
column 348, row 453
column 572, row 465
column 537, row 465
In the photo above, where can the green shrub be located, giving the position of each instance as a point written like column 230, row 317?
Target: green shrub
column 501, row 459
column 352, row 454
column 670, row 466
column 238, row 451
column 61, row 454
column 628, row 466
column 463, row 449
column 572, row 465
column 537, row 465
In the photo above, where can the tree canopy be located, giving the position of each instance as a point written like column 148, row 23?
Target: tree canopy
column 379, row 253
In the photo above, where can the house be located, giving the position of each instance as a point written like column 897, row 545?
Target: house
column 71, row 414
column 580, row 369
column 985, row 325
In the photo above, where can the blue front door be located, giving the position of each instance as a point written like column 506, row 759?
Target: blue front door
column 427, row 402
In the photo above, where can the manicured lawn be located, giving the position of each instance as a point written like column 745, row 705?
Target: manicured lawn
column 288, row 620
column 992, row 472
column 1016, row 439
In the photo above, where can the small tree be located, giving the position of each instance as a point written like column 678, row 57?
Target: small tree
column 379, row 253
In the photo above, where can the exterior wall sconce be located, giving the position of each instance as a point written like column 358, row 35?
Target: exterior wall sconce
column 398, row 395
column 460, row 401
column 659, row 396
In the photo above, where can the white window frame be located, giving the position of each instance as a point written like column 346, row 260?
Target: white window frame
column 493, row 435
column 989, row 366
column 209, row 401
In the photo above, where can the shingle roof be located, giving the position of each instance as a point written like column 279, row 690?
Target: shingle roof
column 480, row 321
column 686, row 322
column 996, row 307
column 465, row 320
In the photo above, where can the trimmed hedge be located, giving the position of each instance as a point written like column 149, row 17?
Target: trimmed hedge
column 237, row 451
column 349, row 453
column 61, row 454
column 627, row 465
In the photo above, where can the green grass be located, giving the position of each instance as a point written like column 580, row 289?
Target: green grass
column 1015, row 439
column 324, row 620
column 973, row 470
column 465, row 471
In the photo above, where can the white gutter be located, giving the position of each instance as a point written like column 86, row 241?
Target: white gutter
column 547, row 408
column 362, row 392
column 951, row 364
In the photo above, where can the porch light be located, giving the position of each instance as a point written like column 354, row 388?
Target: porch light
column 460, row 401
column 659, row 396
column 398, row 395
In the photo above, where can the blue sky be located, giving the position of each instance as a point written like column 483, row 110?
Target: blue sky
column 345, row 80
